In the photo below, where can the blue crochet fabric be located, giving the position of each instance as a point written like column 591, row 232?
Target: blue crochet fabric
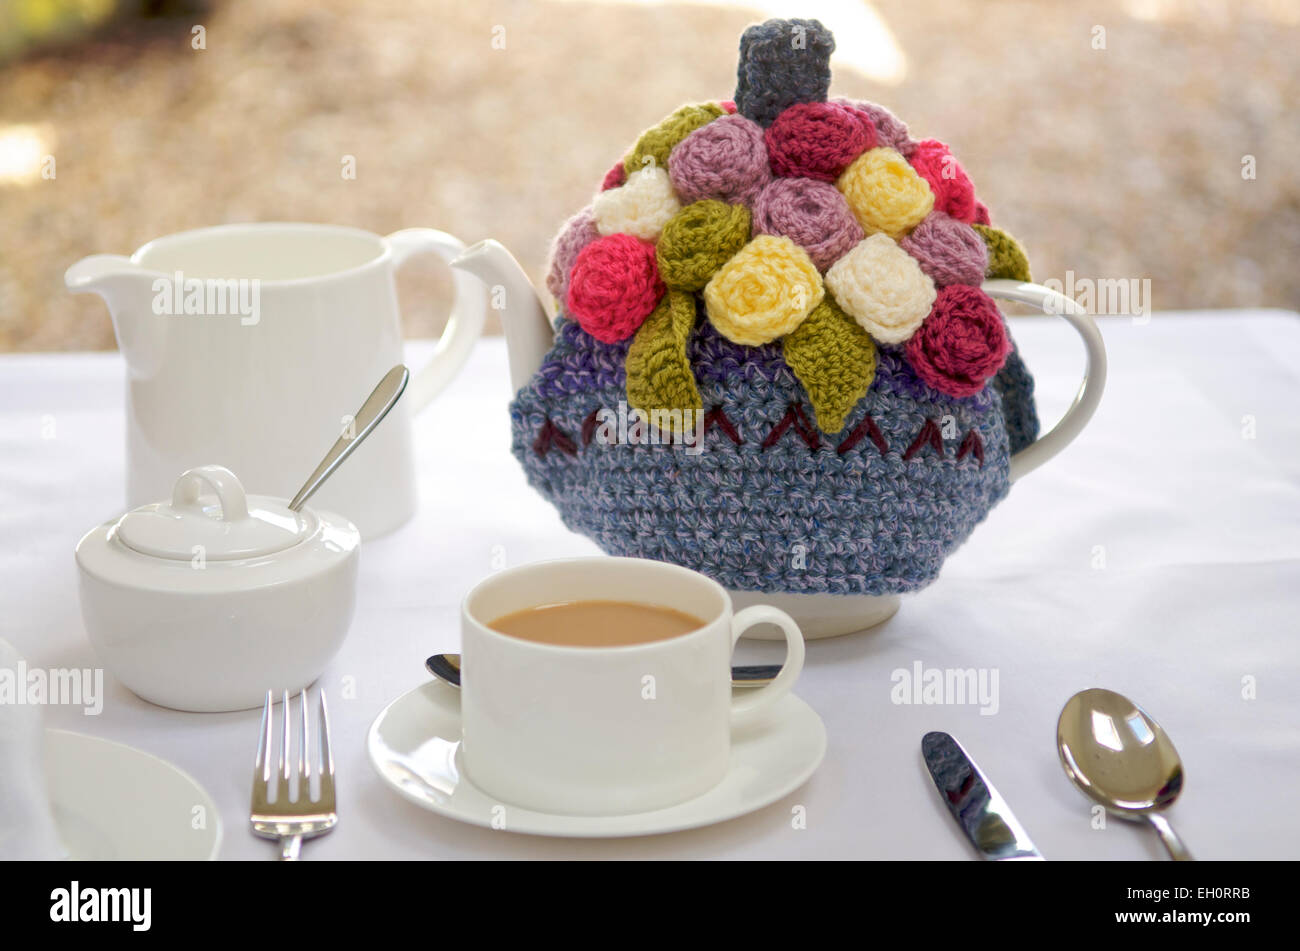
column 874, row 509
column 1016, row 388
column 782, row 62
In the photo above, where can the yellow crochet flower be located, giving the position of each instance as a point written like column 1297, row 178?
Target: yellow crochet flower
column 764, row 292
column 885, row 193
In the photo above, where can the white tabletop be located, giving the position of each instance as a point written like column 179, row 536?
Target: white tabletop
column 1159, row 556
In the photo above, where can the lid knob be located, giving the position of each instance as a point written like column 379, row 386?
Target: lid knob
column 223, row 483
column 782, row 62
column 184, row 527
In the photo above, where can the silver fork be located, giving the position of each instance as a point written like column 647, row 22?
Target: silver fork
column 292, row 820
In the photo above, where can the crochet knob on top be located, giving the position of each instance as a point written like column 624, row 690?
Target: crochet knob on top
column 782, row 62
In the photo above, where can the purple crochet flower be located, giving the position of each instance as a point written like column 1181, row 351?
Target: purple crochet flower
column 578, row 232
column 725, row 160
column 890, row 130
column 948, row 250
column 812, row 214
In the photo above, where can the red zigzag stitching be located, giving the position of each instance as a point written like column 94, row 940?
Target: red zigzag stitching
column 551, row 435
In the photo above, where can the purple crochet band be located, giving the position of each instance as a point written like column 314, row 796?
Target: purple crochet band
column 586, row 366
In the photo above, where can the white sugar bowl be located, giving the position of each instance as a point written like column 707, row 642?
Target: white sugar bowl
column 205, row 602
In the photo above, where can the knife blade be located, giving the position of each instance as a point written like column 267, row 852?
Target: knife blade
column 981, row 813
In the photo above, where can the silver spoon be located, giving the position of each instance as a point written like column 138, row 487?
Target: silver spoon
column 373, row 410
column 446, row 667
column 1121, row 758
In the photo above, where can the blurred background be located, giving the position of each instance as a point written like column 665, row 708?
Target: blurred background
column 1140, row 139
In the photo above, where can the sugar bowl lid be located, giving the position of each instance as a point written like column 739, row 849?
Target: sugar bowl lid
column 228, row 530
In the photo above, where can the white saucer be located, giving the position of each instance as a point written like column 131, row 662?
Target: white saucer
column 112, row 801
column 415, row 745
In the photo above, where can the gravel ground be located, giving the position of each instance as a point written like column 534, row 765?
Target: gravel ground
column 1123, row 162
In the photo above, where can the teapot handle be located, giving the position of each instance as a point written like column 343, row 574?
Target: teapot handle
column 1094, row 370
column 468, row 312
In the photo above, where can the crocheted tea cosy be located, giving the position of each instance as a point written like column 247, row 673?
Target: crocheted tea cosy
column 773, row 360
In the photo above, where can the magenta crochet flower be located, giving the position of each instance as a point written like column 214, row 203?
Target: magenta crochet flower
column 615, row 177
column 816, row 140
column 725, row 160
column 950, row 251
column 614, row 286
column 961, row 344
column 814, row 215
column 954, row 193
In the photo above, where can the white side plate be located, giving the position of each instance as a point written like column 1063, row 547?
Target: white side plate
column 112, row 801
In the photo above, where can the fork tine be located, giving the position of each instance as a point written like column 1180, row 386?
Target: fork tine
column 282, row 787
column 326, row 768
column 262, row 766
column 304, row 751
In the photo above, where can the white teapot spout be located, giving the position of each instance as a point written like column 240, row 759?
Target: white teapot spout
column 528, row 330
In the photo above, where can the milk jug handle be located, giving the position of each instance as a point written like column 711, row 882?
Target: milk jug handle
column 468, row 312
column 1094, row 370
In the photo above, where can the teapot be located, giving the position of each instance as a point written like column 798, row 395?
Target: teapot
column 777, row 357
column 252, row 344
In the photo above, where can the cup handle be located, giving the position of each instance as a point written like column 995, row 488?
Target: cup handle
column 745, row 708
column 468, row 312
column 1094, row 370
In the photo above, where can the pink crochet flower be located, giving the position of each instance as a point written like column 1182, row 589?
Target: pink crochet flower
column 614, row 286
column 728, row 106
column 954, row 193
column 950, row 251
column 615, row 177
column 578, row 232
column 816, row 140
column 814, row 215
column 961, row 344
column 725, row 160
column 890, row 130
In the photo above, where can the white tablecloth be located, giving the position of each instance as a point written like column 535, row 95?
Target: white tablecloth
column 1159, row 556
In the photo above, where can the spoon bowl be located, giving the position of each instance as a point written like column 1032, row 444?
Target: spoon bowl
column 1121, row 758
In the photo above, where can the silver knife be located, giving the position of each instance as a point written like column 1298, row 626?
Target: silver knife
column 980, row 812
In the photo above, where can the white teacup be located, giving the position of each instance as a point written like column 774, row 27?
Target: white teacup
column 606, row 730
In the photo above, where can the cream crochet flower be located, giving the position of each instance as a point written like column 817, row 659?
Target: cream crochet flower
column 641, row 207
column 883, row 288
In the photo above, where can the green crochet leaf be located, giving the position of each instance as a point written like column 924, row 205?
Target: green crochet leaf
column 653, row 146
column 834, row 359
column 659, row 374
column 1006, row 257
